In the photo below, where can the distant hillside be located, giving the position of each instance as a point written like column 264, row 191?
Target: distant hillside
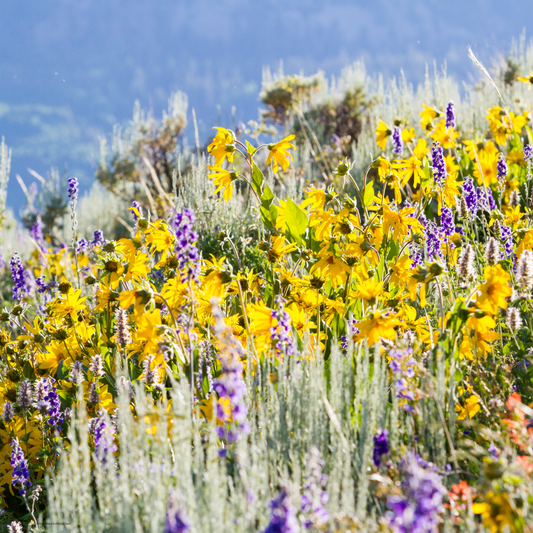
column 70, row 69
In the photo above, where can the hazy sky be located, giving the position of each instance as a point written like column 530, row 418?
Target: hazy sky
column 70, row 69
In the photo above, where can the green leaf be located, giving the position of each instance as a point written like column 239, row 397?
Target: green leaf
column 458, row 375
column 257, row 179
column 251, row 149
column 296, row 221
column 368, row 193
column 267, row 197
column 269, row 215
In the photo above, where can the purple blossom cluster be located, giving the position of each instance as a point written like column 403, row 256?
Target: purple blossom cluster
column 102, row 436
column 283, row 518
column 21, row 474
column 485, row 199
column 415, row 255
column 230, row 384
column 432, row 238
column 418, row 509
column 137, row 206
column 281, row 333
column 470, row 195
column 46, row 400
column 438, row 163
column 175, row 519
column 73, row 190
column 314, row 495
column 402, row 363
column 43, row 287
column 36, row 232
column 450, row 115
column 506, row 236
column 353, row 330
column 98, row 240
column 186, row 250
column 397, row 142
column 20, row 278
column 381, row 445
column 528, row 153
column 502, row 170
column 448, row 226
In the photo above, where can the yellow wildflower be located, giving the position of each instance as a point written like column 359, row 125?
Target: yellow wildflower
column 279, row 155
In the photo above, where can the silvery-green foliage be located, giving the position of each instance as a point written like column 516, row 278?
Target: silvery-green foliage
column 335, row 405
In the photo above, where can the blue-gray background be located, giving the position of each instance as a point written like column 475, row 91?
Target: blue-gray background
column 70, row 69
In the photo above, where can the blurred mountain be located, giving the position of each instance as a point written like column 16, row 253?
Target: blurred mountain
column 71, row 69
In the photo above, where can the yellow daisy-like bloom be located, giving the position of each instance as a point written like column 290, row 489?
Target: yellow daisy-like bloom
column 495, row 290
column 446, row 136
column 377, row 327
column 278, row 248
column 401, row 222
column 421, row 149
column 70, row 305
column 279, row 155
column 426, row 116
column 408, row 134
column 382, row 132
column 526, row 79
column 369, row 290
column 223, row 146
column 223, row 180
column 410, row 168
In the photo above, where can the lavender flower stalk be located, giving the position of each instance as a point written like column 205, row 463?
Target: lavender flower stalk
column 397, row 142
column 314, row 495
column 450, row 115
column 186, row 250
column 230, row 386
column 19, row 276
column 283, row 515
column 281, row 333
column 418, row 509
column 21, row 474
column 438, row 163
column 381, row 445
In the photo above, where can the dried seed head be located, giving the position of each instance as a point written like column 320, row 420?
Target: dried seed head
column 150, row 376
column 524, row 271
column 93, row 394
column 24, row 395
column 465, row 264
column 514, row 320
column 492, row 252
column 75, row 374
column 97, row 365
column 122, row 327
column 514, row 198
column 7, row 412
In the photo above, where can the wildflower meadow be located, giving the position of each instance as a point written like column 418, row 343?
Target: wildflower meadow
column 319, row 320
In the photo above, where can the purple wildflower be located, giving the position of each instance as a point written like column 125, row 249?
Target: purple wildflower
column 98, row 238
column 448, row 226
column 470, row 196
column 381, row 445
column 36, row 232
column 283, row 515
column 102, row 436
column 281, row 333
column 438, row 164
column 230, row 384
column 137, row 206
column 19, row 275
column 418, row 509
column 47, row 402
column 21, row 474
column 314, row 496
column 450, row 115
column 485, row 199
column 186, row 250
column 528, row 153
column 506, row 236
column 503, row 171
column 175, row 519
column 83, row 246
column 397, row 141
column 73, row 190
